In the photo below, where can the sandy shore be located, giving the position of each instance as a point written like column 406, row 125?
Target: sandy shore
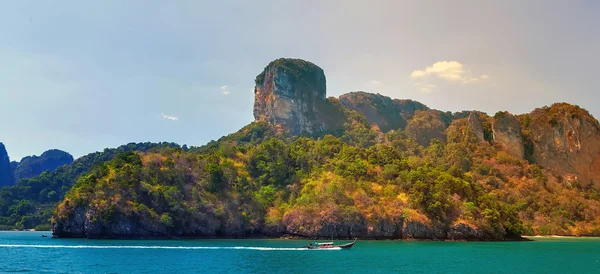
column 556, row 236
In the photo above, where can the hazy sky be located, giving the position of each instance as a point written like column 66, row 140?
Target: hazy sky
column 84, row 76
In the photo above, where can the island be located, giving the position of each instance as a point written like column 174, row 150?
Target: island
column 361, row 165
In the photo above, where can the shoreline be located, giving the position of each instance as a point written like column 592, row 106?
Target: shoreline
column 299, row 238
column 295, row 237
column 558, row 236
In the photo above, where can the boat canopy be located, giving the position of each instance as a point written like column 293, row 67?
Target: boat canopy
column 328, row 243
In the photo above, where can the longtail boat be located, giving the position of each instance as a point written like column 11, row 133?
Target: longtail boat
column 330, row 245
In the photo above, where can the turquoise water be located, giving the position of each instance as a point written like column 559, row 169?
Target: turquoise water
column 28, row 252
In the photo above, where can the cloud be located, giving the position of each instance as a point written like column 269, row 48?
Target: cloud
column 375, row 82
column 225, row 89
column 424, row 87
column 168, row 117
column 451, row 71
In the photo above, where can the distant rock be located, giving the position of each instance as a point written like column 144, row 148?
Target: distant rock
column 6, row 174
column 32, row 166
column 13, row 166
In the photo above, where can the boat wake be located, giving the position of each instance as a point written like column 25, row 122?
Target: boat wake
column 162, row 247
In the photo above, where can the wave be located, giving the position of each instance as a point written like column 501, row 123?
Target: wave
column 161, row 247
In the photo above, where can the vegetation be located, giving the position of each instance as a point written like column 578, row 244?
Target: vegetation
column 257, row 180
column 297, row 69
column 29, row 203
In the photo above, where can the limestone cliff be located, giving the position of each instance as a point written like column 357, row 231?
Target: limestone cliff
column 291, row 94
column 566, row 140
column 507, row 134
column 82, row 223
column 6, row 175
column 476, row 126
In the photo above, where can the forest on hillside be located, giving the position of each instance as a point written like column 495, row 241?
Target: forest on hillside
column 362, row 183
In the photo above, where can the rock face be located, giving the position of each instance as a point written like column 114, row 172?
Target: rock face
column 291, row 94
column 32, row 166
column 304, row 224
column 381, row 110
column 6, row 174
column 507, row 134
column 476, row 126
column 566, row 140
column 462, row 231
column 74, row 226
column 87, row 223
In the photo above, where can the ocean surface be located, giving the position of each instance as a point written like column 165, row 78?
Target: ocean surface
column 28, row 252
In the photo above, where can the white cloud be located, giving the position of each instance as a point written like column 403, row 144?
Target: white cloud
column 375, row 82
column 451, row 71
column 169, row 117
column 225, row 89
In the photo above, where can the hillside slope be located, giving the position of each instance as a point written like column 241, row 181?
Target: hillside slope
column 29, row 202
column 362, row 165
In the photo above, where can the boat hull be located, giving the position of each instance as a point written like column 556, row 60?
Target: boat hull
column 342, row 246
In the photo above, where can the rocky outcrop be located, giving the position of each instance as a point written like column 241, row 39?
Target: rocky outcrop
column 32, row 166
column 88, row 223
column 462, row 231
column 291, row 94
column 388, row 114
column 476, row 126
column 566, row 141
column 507, row 134
column 73, row 226
column 304, row 224
column 6, row 174
column 417, row 230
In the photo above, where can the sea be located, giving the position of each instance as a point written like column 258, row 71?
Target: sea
column 28, row 252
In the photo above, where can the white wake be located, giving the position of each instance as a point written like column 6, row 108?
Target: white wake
column 162, row 247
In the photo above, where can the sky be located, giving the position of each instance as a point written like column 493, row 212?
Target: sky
column 85, row 75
